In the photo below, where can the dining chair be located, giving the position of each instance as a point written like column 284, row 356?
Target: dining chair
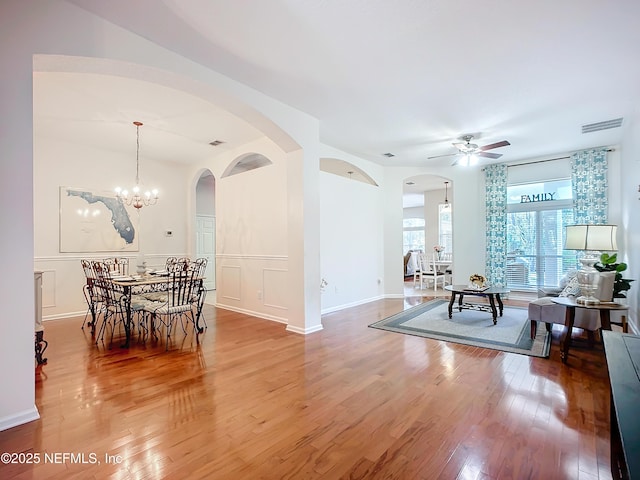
column 432, row 273
column 448, row 270
column 109, row 298
column 416, row 266
column 181, row 287
column 200, row 268
column 90, row 295
column 122, row 265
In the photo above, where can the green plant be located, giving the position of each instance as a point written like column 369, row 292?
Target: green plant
column 608, row 263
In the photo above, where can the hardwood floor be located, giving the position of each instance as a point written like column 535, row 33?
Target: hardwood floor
column 250, row 400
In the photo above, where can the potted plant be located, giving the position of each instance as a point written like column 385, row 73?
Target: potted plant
column 608, row 263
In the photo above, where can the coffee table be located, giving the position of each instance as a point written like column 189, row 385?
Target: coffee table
column 491, row 293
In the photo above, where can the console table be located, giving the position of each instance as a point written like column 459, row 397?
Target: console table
column 623, row 362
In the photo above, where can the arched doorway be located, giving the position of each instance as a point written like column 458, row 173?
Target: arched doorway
column 206, row 225
column 427, row 217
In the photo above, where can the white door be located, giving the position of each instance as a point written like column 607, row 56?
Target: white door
column 206, row 246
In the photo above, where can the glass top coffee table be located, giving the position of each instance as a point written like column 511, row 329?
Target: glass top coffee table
column 491, row 293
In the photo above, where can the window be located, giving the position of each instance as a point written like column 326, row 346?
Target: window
column 445, row 229
column 537, row 216
column 413, row 234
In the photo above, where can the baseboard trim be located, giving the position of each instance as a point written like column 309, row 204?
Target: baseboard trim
column 354, row 304
column 264, row 316
column 25, row 416
column 60, row 316
column 304, row 331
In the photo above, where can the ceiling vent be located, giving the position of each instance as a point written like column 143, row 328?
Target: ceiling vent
column 215, row 143
column 388, row 155
column 596, row 127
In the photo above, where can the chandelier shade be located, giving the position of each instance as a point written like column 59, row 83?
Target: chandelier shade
column 135, row 197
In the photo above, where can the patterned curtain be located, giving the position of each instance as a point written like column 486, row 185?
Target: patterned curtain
column 496, row 209
column 589, row 184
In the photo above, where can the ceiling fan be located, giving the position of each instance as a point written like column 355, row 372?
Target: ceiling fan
column 470, row 151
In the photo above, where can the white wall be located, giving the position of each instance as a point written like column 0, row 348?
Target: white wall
column 630, row 215
column 59, row 164
column 351, row 242
column 251, row 233
column 468, row 221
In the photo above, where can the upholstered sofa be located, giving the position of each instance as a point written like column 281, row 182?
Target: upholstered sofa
column 545, row 310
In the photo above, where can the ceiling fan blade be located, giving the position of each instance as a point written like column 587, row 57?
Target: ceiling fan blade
column 503, row 143
column 445, row 155
column 459, row 144
column 489, row 155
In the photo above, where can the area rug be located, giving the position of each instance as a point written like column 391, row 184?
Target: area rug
column 470, row 327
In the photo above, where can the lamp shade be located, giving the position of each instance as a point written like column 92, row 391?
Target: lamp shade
column 591, row 237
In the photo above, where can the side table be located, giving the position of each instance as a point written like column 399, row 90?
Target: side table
column 604, row 308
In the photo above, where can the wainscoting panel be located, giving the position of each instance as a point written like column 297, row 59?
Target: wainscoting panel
column 230, row 284
column 48, row 288
column 275, row 292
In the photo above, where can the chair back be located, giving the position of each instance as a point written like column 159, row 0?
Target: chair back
column 199, row 266
column 104, row 287
column 182, row 287
column 177, row 264
column 122, row 265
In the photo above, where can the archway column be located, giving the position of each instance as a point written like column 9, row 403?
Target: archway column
column 303, row 177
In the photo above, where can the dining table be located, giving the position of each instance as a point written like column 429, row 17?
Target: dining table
column 127, row 284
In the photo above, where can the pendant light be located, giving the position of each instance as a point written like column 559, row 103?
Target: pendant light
column 135, row 198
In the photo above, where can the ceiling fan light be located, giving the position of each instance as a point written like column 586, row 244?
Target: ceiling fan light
column 473, row 159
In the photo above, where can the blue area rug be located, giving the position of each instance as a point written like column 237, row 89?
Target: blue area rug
column 470, row 327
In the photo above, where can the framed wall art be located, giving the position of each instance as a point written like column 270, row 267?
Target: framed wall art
column 92, row 221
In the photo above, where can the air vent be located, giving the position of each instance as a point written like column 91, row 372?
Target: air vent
column 388, row 155
column 595, row 127
column 215, row 143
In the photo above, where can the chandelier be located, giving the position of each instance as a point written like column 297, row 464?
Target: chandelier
column 135, row 198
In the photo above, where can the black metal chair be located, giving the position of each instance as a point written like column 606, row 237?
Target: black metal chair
column 90, row 295
column 181, row 287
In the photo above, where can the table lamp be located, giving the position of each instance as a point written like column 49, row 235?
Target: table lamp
column 591, row 239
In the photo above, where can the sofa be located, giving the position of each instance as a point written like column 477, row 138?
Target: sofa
column 545, row 310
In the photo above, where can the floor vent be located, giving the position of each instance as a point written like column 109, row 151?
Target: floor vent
column 596, row 127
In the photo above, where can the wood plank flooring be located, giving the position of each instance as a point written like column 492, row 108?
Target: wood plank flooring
column 248, row 400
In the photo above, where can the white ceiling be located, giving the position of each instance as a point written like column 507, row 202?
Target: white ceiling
column 404, row 76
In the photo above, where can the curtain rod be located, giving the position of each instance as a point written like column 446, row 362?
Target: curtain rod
column 547, row 160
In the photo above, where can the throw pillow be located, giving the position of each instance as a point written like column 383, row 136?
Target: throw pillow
column 571, row 289
column 567, row 277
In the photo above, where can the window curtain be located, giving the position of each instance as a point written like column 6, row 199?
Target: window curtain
column 589, row 184
column 496, row 227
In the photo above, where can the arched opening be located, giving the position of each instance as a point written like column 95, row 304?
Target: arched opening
column 427, row 222
column 245, row 163
column 345, row 169
column 205, row 225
